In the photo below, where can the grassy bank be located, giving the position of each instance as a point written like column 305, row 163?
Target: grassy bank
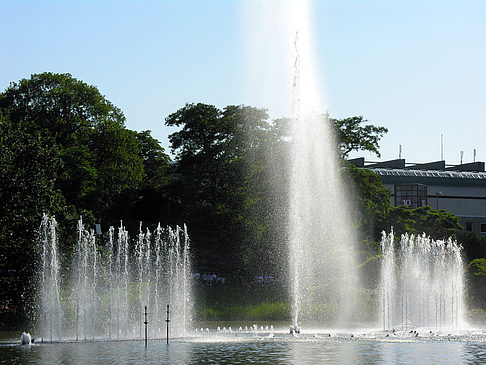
column 272, row 303
column 257, row 303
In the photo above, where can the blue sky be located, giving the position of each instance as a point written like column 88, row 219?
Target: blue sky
column 416, row 67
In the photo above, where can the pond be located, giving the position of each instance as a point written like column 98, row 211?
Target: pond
column 261, row 348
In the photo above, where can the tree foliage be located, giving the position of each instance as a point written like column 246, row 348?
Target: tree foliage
column 373, row 200
column 476, row 273
column 221, row 182
column 27, row 189
column 64, row 150
column 354, row 135
column 438, row 224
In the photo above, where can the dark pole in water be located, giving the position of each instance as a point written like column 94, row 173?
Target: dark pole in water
column 146, row 322
column 167, row 320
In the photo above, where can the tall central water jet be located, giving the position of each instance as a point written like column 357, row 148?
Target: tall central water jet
column 323, row 280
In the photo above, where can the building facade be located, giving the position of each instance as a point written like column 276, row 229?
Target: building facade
column 458, row 189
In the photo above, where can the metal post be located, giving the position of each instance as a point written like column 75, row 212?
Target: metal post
column 167, row 320
column 145, row 323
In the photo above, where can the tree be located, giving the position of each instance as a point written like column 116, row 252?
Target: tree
column 64, row 150
column 354, row 136
column 233, row 179
column 154, row 202
column 156, row 163
column 372, row 197
column 60, row 106
column 119, row 166
column 27, row 189
column 100, row 158
column 476, row 272
column 474, row 245
column 438, row 224
column 222, row 182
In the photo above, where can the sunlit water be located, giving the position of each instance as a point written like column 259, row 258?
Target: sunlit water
column 422, row 283
column 259, row 348
column 114, row 285
column 321, row 235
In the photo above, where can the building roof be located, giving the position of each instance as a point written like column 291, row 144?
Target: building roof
column 431, row 177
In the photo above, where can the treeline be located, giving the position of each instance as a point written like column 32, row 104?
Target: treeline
column 65, row 151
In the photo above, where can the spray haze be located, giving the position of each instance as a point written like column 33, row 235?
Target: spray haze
column 320, row 236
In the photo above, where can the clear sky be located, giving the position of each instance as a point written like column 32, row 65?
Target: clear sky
column 416, row 67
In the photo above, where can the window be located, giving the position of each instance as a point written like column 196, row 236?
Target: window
column 468, row 227
column 411, row 195
column 483, row 227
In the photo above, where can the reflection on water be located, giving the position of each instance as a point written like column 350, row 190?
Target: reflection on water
column 224, row 350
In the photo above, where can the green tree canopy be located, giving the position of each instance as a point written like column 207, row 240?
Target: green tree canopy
column 222, row 181
column 476, row 273
column 354, row 135
column 438, row 224
column 59, row 105
column 373, row 200
column 64, row 150
column 99, row 157
column 27, row 189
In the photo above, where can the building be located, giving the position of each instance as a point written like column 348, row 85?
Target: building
column 458, row 189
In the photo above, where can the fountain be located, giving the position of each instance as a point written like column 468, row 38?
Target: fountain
column 112, row 284
column 427, row 288
column 322, row 256
column 422, row 283
column 51, row 311
column 115, row 281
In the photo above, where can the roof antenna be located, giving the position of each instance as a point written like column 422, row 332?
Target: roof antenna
column 399, row 151
column 462, row 155
column 441, row 147
column 474, row 155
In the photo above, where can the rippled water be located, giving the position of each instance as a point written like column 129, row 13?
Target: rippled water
column 247, row 349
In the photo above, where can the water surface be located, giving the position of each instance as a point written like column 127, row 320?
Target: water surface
column 261, row 349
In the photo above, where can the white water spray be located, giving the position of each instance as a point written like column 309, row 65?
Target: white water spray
column 322, row 239
column 113, row 281
column 51, row 310
column 422, row 283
